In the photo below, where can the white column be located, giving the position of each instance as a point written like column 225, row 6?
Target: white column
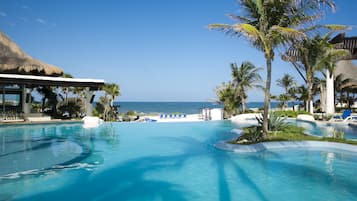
column 26, row 105
column 88, row 105
column 330, row 94
column 323, row 97
column 311, row 107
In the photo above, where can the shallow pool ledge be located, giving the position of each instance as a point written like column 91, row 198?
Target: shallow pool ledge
column 224, row 145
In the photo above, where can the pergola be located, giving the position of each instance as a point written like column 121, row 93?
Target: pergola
column 347, row 43
column 19, row 69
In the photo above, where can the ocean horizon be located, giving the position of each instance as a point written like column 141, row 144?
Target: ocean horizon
column 187, row 107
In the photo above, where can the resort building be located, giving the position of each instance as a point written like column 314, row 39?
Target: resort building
column 20, row 74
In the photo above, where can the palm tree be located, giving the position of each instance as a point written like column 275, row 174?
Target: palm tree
column 288, row 83
column 66, row 90
column 268, row 24
column 245, row 77
column 342, row 85
column 111, row 90
column 227, row 95
column 314, row 54
column 330, row 56
column 48, row 94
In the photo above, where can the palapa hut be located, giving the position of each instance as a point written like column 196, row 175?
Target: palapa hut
column 13, row 60
column 20, row 73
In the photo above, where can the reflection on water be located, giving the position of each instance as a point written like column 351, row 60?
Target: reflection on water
column 38, row 149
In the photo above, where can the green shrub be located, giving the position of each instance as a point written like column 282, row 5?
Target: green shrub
column 289, row 113
column 275, row 122
column 131, row 113
column 338, row 134
column 251, row 134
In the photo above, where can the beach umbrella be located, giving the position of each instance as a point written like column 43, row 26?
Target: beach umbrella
column 15, row 61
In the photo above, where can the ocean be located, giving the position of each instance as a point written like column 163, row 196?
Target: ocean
column 173, row 107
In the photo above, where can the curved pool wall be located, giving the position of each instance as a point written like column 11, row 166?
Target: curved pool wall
column 224, row 145
column 326, row 129
column 321, row 129
column 176, row 161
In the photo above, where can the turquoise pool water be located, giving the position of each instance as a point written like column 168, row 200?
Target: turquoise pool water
column 326, row 129
column 162, row 161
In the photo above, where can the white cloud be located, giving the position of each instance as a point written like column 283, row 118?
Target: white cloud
column 25, row 7
column 41, row 21
column 3, row 14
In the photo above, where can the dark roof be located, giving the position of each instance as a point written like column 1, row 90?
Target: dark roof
column 31, row 80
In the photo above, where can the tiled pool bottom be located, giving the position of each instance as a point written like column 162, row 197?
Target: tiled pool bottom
column 175, row 161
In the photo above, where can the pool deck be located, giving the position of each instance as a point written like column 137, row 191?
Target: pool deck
column 224, row 145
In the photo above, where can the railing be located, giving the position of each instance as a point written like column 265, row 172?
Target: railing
column 12, row 114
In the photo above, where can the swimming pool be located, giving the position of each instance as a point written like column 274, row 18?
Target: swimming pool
column 327, row 129
column 162, row 161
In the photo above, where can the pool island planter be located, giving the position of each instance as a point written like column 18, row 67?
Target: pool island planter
column 262, row 146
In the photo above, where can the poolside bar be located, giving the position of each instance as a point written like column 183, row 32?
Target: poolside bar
column 20, row 74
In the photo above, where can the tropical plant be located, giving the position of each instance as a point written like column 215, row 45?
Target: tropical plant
column 226, row 94
column 49, row 99
column 111, row 91
column 269, row 24
column 66, row 89
column 314, row 54
column 72, row 107
column 275, row 122
column 284, row 99
column 288, row 83
column 250, row 134
column 245, row 77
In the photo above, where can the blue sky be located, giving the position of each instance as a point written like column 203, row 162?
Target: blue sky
column 155, row 50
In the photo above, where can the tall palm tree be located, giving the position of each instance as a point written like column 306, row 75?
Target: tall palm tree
column 288, row 83
column 111, row 90
column 268, row 24
column 314, row 54
column 245, row 77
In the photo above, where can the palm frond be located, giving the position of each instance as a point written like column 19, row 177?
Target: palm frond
column 240, row 18
column 288, row 33
column 249, row 31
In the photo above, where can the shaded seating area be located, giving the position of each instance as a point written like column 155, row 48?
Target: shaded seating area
column 20, row 74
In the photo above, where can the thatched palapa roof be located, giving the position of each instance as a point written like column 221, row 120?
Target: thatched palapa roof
column 348, row 71
column 15, row 61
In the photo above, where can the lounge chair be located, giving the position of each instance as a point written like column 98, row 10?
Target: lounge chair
column 345, row 116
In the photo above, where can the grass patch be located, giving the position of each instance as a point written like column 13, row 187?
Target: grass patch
column 290, row 133
column 289, row 113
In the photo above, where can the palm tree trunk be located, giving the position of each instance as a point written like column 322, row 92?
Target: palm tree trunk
column 309, row 93
column 243, row 104
column 267, row 99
